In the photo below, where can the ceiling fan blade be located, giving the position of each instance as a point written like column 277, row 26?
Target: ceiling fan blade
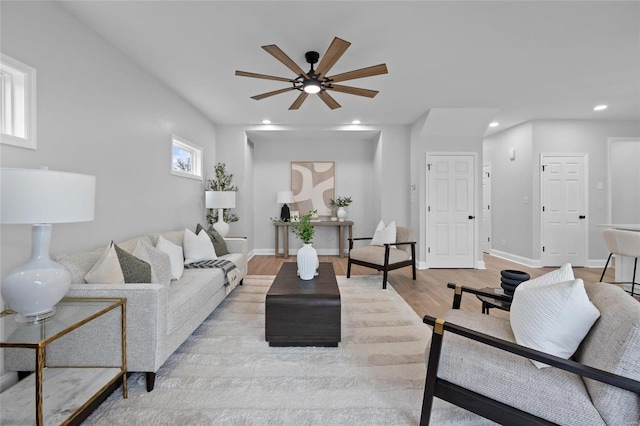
column 299, row 100
column 362, row 72
column 275, row 92
column 353, row 90
column 334, row 52
column 287, row 61
column 328, row 99
column 264, row 76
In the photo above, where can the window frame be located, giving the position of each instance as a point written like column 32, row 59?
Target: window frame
column 13, row 67
column 196, row 157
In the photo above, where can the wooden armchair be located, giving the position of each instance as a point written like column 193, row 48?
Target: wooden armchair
column 474, row 363
column 387, row 257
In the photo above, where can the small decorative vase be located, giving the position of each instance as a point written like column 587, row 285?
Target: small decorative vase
column 342, row 213
column 307, row 262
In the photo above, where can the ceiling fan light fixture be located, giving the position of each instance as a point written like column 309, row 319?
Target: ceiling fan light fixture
column 600, row 107
column 311, row 86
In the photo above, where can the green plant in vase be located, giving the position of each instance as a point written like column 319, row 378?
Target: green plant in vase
column 340, row 203
column 303, row 228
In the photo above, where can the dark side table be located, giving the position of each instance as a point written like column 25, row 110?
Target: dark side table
column 489, row 302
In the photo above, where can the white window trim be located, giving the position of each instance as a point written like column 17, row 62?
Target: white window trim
column 195, row 150
column 29, row 141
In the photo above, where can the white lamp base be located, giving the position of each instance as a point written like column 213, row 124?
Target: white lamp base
column 221, row 226
column 33, row 289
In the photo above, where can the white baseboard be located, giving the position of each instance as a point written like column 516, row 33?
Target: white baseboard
column 480, row 264
column 598, row 263
column 422, row 265
column 532, row 263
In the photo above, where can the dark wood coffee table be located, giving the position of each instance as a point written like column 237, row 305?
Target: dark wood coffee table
column 303, row 313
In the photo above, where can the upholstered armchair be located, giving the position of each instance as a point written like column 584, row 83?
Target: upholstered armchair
column 475, row 363
column 386, row 257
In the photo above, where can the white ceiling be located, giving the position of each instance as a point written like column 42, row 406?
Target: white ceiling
column 527, row 59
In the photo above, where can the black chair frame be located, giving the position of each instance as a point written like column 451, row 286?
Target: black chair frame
column 486, row 407
column 386, row 267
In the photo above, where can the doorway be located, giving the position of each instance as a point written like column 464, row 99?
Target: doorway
column 451, row 229
column 564, row 209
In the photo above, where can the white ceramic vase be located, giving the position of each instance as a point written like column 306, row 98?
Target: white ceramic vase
column 342, row 213
column 307, row 262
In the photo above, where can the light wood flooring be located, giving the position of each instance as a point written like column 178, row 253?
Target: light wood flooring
column 429, row 295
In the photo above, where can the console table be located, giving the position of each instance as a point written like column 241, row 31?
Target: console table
column 285, row 234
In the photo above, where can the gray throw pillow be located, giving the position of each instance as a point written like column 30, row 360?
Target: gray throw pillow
column 219, row 244
column 134, row 270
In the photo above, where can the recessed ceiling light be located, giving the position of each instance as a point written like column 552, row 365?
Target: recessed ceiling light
column 266, row 121
column 600, row 107
column 494, row 124
column 356, row 122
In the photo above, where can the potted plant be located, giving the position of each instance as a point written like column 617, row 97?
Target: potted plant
column 307, row 257
column 341, row 203
column 222, row 182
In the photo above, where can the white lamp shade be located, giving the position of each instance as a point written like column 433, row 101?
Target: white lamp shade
column 45, row 196
column 284, row 197
column 220, row 199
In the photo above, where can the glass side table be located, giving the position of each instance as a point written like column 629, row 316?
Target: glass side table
column 63, row 394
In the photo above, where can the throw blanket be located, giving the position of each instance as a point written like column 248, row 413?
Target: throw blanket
column 228, row 268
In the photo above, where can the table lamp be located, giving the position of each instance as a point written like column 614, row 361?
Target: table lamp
column 41, row 198
column 284, row 197
column 220, row 200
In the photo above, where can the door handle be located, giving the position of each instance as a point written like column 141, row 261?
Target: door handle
column 471, row 217
column 582, row 216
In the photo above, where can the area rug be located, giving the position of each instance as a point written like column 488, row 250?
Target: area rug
column 226, row 374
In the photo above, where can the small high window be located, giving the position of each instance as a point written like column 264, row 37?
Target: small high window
column 186, row 158
column 17, row 103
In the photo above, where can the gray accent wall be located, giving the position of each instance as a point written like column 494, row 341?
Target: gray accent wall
column 518, row 223
column 100, row 114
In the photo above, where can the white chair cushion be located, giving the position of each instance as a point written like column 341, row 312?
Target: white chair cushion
column 552, row 318
column 384, row 234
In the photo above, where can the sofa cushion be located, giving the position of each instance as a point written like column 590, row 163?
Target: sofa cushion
column 219, row 244
column 552, row 318
column 561, row 397
column 176, row 237
column 175, row 256
column 130, row 244
column 197, row 248
column 107, row 269
column 79, row 264
column 375, row 255
column 612, row 345
column 190, row 292
column 159, row 261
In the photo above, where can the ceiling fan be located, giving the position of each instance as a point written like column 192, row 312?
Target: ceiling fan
column 316, row 81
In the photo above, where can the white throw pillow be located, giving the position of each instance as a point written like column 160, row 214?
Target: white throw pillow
column 197, row 247
column 107, row 269
column 384, row 234
column 552, row 317
column 175, row 255
column 565, row 273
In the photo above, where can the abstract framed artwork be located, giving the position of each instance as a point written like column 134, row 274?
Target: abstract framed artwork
column 313, row 185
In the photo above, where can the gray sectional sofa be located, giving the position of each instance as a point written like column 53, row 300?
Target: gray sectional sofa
column 159, row 317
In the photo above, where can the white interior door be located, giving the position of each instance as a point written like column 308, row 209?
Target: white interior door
column 564, row 207
column 450, row 211
column 486, row 208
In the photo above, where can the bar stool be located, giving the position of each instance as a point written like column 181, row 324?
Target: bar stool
column 622, row 243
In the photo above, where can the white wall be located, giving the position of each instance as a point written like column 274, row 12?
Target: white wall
column 624, row 158
column 512, row 181
column 371, row 167
column 100, row 114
